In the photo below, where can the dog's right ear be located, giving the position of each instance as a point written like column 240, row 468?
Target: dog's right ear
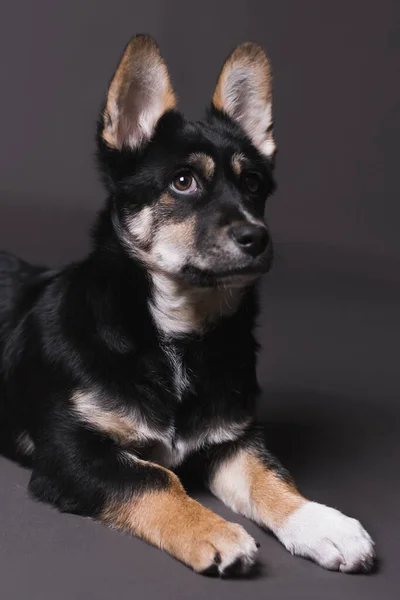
column 139, row 94
column 244, row 93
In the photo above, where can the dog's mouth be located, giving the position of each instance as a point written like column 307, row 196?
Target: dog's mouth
column 234, row 277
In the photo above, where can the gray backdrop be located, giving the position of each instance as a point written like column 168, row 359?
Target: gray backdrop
column 330, row 363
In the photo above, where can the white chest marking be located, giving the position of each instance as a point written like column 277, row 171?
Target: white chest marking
column 180, row 375
column 174, row 454
column 128, row 428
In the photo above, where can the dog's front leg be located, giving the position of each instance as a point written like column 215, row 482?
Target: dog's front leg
column 251, row 482
column 89, row 476
column 169, row 519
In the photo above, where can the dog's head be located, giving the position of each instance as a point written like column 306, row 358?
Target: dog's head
column 189, row 197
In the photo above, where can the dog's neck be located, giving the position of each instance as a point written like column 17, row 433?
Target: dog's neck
column 179, row 309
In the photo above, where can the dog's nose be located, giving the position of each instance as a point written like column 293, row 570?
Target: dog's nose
column 252, row 239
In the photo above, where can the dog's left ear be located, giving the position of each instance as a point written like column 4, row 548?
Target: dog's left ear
column 139, row 94
column 244, row 93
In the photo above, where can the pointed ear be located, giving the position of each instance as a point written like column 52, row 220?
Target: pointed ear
column 139, row 94
column 244, row 93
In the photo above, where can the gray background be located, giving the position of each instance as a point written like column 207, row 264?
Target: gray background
column 330, row 363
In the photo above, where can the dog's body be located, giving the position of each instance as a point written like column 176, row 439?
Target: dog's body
column 118, row 369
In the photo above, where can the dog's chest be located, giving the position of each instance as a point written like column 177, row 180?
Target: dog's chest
column 166, row 441
column 208, row 409
column 171, row 448
column 190, row 401
column 205, row 413
column 179, row 372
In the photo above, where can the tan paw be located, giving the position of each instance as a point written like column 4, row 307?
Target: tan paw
column 226, row 550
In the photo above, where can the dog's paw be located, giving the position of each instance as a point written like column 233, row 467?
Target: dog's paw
column 328, row 537
column 225, row 550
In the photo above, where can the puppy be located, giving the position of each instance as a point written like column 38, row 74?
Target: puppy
column 118, row 369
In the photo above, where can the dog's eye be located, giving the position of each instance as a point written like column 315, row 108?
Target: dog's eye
column 252, row 182
column 184, row 183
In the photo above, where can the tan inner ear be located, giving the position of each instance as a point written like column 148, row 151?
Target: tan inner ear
column 244, row 92
column 139, row 94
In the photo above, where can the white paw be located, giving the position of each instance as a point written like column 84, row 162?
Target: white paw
column 328, row 537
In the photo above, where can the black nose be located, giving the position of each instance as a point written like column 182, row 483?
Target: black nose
column 252, row 239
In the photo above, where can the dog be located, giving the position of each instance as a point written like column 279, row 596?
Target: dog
column 117, row 370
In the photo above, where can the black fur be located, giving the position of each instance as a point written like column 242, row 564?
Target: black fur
column 88, row 327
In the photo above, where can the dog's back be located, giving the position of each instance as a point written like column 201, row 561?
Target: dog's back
column 14, row 274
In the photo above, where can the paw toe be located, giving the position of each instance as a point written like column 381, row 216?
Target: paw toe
column 229, row 551
column 328, row 556
column 358, row 559
column 211, row 571
column 237, row 567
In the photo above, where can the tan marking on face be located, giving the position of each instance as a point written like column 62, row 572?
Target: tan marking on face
column 247, row 486
column 238, row 163
column 143, row 67
column 140, row 226
column 172, row 521
column 204, row 163
column 181, row 232
column 167, row 199
column 173, row 242
column 163, row 248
